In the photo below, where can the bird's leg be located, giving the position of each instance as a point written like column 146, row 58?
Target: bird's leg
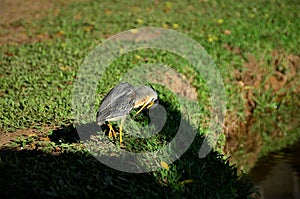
column 121, row 127
column 111, row 131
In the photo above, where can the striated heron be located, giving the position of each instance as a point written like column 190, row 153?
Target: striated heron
column 120, row 100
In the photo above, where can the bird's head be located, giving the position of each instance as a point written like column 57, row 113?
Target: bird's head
column 145, row 97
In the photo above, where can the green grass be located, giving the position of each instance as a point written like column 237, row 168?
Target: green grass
column 74, row 172
column 37, row 85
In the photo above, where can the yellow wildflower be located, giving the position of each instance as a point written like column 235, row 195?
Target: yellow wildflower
column 175, row 25
column 137, row 56
column 210, row 39
column 220, row 21
column 165, row 25
column 164, row 165
column 168, row 5
column 61, row 32
column 88, row 28
column 251, row 15
column 134, row 31
column 139, row 21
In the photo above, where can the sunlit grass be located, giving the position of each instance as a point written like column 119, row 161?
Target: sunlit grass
column 37, row 80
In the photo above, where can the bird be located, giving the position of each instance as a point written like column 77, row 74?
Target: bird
column 120, row 101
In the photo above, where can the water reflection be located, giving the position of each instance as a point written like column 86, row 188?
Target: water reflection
column 278, row 174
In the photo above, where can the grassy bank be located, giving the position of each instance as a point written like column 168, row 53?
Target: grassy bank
column 254, row 45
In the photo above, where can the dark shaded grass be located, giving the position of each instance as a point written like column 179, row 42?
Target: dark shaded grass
column 64, row 169
column 31, row 173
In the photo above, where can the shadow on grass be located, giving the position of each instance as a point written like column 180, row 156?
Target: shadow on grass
column 37, row 174
column 65, row 134
column 76, row 173
column 31, row 173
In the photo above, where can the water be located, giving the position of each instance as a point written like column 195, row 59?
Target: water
column 278, row 174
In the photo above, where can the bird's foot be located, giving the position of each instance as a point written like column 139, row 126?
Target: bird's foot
column 111, row 131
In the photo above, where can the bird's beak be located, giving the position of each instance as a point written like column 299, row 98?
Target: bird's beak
column 150, row 105
column 141, row 109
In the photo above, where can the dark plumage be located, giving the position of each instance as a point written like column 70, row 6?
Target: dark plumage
column 117, row 103
column 120, row 100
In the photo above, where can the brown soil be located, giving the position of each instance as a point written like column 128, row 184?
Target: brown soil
column 18, row 9
column 5, row 138
column 281, row 78
column 17, row 15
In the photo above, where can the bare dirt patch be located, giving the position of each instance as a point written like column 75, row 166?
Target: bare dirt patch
column 18, row 9
column 16, row 16
column 282, row 78
column 5, row 138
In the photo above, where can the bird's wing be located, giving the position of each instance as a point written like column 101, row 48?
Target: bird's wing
column 117, row 103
